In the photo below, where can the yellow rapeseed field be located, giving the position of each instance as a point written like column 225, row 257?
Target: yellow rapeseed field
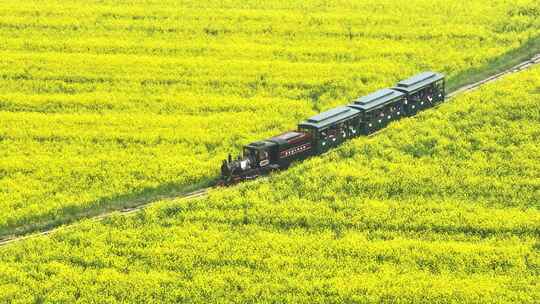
column 105, row 102
column 439, row 208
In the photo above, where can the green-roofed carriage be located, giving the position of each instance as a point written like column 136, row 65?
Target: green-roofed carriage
column 379, row 108
column 331, row 128
column 423, row 91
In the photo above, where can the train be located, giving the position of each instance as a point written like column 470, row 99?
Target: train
column 322, row 132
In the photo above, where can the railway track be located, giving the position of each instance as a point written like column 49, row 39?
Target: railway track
column 125, row 211
column 535, row 60
column 517, row 68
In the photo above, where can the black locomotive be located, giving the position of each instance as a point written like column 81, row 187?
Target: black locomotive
column 326, row 130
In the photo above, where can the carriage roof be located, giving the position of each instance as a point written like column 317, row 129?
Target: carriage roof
column 330, row 117
column 418, row 81
column 376, row 99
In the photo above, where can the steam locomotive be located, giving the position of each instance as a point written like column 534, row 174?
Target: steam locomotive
column 326, row 130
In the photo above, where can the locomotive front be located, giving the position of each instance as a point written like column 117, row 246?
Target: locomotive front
column 262, row 157
column 254, row 161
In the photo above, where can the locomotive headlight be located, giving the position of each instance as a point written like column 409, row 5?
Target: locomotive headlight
column 244, row 164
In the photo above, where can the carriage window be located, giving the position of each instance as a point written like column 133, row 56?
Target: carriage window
column 439, row 86
column 308, row 130
column 368, row 115
column 262, row 154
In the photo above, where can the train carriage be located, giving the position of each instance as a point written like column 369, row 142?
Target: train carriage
column 332, row 127
column 423, row 91
column 379, row 108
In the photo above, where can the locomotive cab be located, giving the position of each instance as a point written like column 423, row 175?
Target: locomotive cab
column 260, row 153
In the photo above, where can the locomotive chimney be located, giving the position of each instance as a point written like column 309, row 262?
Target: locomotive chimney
column 229, row 158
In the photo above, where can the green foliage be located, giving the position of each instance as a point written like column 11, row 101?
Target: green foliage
column 443, row 207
